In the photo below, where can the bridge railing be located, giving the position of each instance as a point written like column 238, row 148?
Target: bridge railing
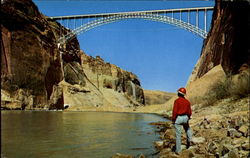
column 185, row 18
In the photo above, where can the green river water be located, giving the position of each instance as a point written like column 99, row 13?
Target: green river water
column 58, row 134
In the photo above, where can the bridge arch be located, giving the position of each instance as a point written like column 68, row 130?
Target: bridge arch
column 115, row 18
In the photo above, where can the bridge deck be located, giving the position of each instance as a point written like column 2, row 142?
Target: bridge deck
column 133, row 12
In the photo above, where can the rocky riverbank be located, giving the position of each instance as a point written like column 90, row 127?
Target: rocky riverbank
column 221, row 130
column 217, row 132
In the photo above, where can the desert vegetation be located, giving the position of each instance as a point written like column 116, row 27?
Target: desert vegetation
column 232, row 86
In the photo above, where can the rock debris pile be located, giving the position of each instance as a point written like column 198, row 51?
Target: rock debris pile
column 226, row 137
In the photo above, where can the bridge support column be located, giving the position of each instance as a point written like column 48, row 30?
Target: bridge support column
column 197, row 18
column 205, row 18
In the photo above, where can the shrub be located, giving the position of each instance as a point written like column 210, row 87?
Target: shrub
column 237, row 86
column 221, row 90
column 241, row 85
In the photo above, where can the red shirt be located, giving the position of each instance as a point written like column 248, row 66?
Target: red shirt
column 181, row 107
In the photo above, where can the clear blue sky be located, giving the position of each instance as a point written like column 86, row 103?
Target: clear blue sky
column 161, row 55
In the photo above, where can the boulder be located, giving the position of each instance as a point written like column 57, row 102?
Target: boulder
column 205, row 124
column 213, row 148
column 224, row 123
column 198, row 140
column 201, row 149
column 235, row 123
column 118, row 155
column 187, row 154
column 159, row 144
column 30, row 101
column 246, row 145
column 238, row 141
column 231, row 132
column 141, row 156
column 226, row 148
column 243, row 153
column 244, row 129
column 233, row 154
column 56, row 98
column 199, row 88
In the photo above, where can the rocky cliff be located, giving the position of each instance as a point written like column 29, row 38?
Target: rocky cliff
column 109, row 76
column 34, row 75
column 227, row 42
column 226, row 48
column 107, row 87
column 30, row 63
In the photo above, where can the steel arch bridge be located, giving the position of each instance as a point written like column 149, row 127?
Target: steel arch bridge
column 153, row 15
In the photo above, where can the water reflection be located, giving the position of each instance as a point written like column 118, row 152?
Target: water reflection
column 76, row 134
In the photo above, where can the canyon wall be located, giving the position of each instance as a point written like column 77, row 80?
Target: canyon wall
column 226, row 50
column 30, row 62
column 227, row 42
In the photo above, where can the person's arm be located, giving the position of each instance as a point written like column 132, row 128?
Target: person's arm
column 174, row 113
column 189, row 111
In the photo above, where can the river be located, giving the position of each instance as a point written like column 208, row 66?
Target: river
column 54, row 134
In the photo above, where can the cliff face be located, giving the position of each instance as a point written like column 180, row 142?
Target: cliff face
column 32, row 68
column 30, row 64
column 109, row 76
column 227, row 43
column 225, row 50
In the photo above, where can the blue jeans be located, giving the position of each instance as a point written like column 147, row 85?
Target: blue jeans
column 179, row 122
